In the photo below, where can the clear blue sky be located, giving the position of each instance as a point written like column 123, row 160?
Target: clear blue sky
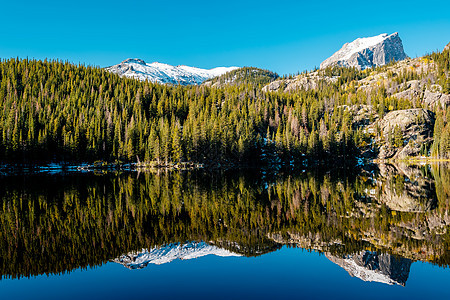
column 283, row 36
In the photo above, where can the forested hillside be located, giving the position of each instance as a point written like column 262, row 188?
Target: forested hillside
column 245, row 75
column 52, row 110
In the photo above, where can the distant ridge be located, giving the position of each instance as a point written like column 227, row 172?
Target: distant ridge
column 164, row 73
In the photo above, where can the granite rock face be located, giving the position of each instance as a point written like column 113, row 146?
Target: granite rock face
column 433, row 97
column 416, row 127
column 368, row 52
column 312, row 81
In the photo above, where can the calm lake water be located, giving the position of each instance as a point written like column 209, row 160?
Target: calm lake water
column 378, row 232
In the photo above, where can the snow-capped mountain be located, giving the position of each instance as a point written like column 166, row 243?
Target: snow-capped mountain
column 447, row 47
column 168, row 253
column 370, row 266
column 163, row 73
column 368, row 52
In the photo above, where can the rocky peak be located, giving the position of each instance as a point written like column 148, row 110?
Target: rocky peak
column 447, row 47
column 134, row 60
column 368, row 52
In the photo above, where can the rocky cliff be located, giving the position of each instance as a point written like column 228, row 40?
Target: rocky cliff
column 415, row 126
column 368, row 52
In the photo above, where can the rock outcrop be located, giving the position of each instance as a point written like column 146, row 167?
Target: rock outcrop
column 310, row 81
column 416, row 126
column 368, row 52
column 433, row 96
column 447, row 47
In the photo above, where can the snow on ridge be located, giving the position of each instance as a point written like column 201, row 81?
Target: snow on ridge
column 164, row 73
column 368, row 52
column 361, row 43
column 169, row 253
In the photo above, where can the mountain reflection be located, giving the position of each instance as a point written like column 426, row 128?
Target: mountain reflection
column 370, row 266
column 374, row 223
column 168, row 253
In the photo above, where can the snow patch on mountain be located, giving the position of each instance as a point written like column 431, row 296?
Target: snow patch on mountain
column 164, row 73
column 171, row 252
column 360, row 44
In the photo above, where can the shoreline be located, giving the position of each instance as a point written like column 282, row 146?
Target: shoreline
column 102, row 166
column 417, row 160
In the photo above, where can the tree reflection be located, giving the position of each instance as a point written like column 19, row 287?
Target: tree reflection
column 53, row 224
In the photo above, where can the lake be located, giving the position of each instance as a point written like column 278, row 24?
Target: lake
column 380, row 231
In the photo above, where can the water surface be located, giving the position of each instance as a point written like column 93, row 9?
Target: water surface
column 379, row 232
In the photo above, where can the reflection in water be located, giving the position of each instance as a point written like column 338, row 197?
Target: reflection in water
column 171, row 252
column 373, row 224
column 405, row 188
column 370, row 266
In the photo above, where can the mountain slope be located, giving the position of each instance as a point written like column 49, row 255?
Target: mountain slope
column 164, row 73
column 368, row 52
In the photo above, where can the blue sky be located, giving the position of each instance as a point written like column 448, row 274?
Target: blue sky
column 283, row 36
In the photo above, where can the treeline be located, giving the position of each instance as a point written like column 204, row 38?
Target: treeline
column 441, row 144
column 52, row 224
column 55, row 110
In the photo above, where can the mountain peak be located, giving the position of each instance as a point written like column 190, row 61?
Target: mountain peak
column 368, row 52
column 447, row 47
column 134, row 60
